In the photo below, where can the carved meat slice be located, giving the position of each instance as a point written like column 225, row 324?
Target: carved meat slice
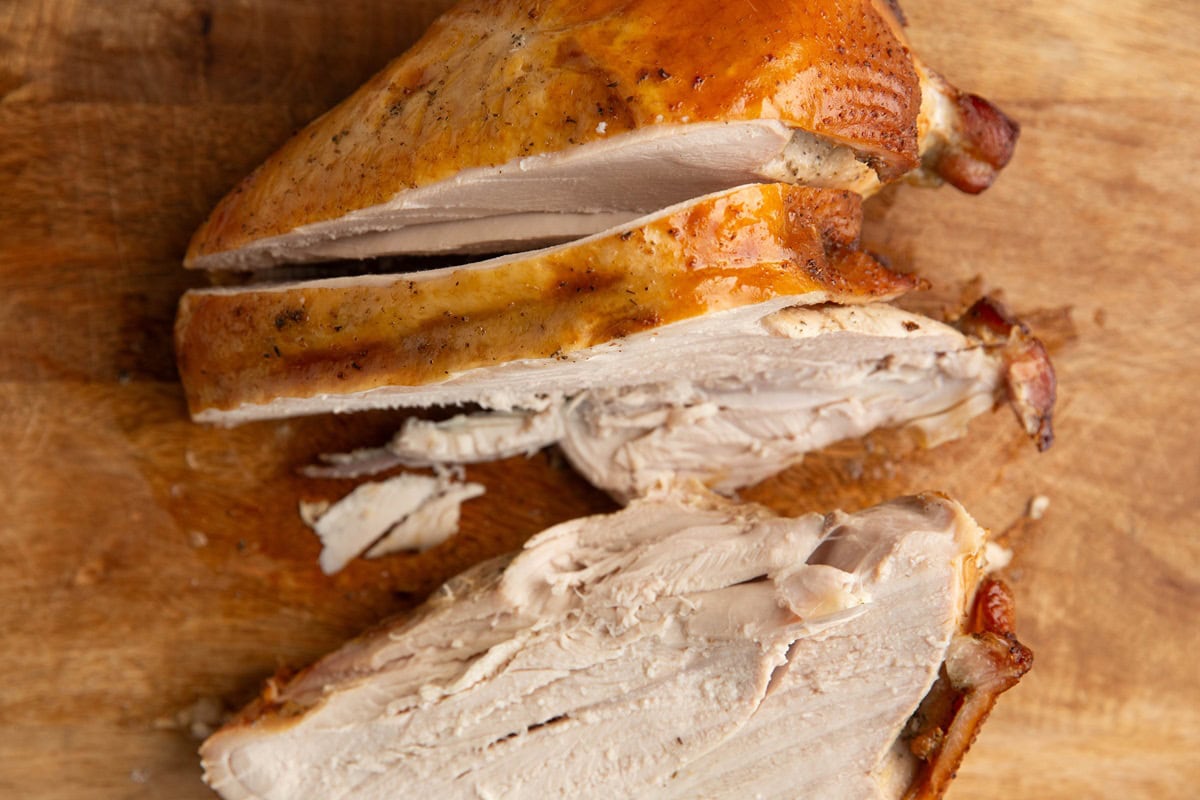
column 737, row 403
column 589, row 313
column 431, row 524
column 515, row 123
column 361, row 518
column 757, row 402
column 683, row 647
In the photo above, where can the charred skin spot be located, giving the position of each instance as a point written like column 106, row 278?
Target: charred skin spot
column 635, row 323
column 290, row 316
column 582, row 283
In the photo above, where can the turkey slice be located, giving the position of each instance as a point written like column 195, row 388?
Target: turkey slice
column 740, row 403
column 512, row 124
column 406, row 512
column 597, row 312
column 682, row 647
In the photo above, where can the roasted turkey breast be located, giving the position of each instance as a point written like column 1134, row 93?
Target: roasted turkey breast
column 730, row 401
column 710, row 319
column 683, row 647
column 719, row 340
column 437, row 336
column 517, row 123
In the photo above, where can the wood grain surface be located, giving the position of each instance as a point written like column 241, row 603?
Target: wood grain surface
column 153, row 572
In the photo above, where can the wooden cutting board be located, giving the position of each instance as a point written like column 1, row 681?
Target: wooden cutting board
column 154, row 572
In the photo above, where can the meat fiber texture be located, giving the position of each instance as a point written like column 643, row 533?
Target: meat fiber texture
column 727, row 405
column 682, row 647
column 406, row 512
column 512, row 124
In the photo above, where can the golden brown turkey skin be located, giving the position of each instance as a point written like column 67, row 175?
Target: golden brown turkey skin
column 491, row 82
column 734, row 249
column 981, row 664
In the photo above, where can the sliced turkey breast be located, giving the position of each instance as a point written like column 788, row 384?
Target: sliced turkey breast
column 811, row 377
column 683, row 647
column 512, row 124
column 740, row 403
column 719, row 340
column 596, row 312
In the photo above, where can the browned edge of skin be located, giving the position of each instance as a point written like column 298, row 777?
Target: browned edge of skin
column 981, row 664
column 891, row 12
column 897, row 12
column 982, row 144
column 1029, row 376
column 735, row 249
